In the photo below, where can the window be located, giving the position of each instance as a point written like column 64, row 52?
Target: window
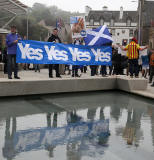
column 123, row 31
column 113, row 32
column 101, row 22
column 128, row 22
column 131, row 33
column 91, row 21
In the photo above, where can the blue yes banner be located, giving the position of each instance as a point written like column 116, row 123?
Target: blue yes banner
column 57, row 53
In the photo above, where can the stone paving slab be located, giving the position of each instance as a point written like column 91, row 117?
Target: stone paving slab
column 149, row 92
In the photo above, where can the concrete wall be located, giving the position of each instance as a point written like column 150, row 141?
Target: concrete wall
column 131, row 84
column 30, row 87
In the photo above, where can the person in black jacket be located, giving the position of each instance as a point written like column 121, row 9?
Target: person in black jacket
column 54, row 38
column 4, row 59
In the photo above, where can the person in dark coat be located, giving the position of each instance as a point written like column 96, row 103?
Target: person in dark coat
column 75, row 68
column 54, row 38
column 0, row 54
column 4, row 59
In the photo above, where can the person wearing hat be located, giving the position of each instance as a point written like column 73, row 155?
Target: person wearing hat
column 11, row 43
column 133, row 49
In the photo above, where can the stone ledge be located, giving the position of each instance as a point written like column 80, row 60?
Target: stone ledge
column 130, row 84
column 146, row 94
column 31, row 87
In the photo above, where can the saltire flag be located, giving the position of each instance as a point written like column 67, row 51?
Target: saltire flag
column 99, row 36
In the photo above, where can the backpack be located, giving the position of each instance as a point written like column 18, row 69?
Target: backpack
column 152, row 59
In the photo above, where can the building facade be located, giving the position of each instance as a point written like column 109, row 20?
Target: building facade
column 122, row 24
column 151, row 37
column 147, row 21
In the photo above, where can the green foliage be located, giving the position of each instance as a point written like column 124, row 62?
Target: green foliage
column 35, row 31
column 37, row 13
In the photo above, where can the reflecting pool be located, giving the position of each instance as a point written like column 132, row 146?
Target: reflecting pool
column 77, row 126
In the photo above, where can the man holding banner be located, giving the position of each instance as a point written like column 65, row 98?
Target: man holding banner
column 98, row 37
column 54, row 38
column 11, row 43
column 37, row 52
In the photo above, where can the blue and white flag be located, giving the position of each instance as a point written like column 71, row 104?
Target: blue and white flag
column 97, row 37
column 36, row 139
column 57, row 53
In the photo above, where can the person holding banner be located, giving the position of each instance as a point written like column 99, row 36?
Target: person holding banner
column 11, row 43
column 151, row 56
column 75, row 68
column 54, row 38
column 133, row 54
column 145, row 64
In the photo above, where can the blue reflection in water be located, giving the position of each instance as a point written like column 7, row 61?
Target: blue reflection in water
column 93, row 133
column 45, row 137
column 82, row 137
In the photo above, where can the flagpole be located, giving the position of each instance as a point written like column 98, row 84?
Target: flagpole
column 139, row 19
column 139, row 33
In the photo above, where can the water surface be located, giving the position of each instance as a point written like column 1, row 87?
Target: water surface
column 74, row 127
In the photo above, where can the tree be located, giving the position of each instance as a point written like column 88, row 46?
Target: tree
column 37, row 13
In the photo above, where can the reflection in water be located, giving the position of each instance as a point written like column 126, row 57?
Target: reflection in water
column 72, row 117
column 50, row 148
column 102, row 113
column 83, row 133
column 91, row 113
column 54, row 120
column 8, row 150
column 151, row 114
column 132, row 130
column 73, row 151
column 46, row 137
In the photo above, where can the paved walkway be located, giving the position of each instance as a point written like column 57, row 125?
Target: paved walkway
column 43, row 75
column 147, row 93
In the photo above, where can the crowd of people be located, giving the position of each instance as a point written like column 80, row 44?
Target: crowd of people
column 132, row 62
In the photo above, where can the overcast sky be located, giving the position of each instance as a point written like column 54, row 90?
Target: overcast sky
column 79, row 5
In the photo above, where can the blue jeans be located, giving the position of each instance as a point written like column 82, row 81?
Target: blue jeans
column 12, row 58
column 133, row 67
column 37, row 67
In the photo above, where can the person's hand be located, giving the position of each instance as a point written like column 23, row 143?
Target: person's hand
column 77, row 27
column 16, row 41
column 120, row 46
column 81, row 23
